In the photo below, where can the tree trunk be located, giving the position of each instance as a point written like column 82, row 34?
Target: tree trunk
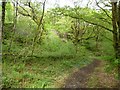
column 115, row 32
column 119, row 40
column 38, row 29
column 3, row 14
column 119, row 28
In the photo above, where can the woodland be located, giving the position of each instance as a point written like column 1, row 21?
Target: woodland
column 61, row 46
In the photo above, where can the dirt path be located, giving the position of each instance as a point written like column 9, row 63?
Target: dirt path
column 80, row 78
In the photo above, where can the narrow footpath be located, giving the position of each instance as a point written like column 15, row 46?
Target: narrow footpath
column 90, row 77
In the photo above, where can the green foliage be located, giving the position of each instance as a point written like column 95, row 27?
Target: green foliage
column 7, row 82
column 54, row 57
column 7, row 31
column 25, row 31
column 39, row 72
column 90, row 46
column 9, row 13
column 54, row 45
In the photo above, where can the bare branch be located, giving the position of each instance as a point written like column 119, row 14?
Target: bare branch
column 103, row 10
column 34, row 17
column 42, row 13
column 24, row 14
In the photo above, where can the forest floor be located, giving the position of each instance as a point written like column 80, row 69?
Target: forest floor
column 58, row 73
column 91, row 76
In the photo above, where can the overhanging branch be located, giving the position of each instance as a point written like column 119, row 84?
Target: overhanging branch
column 97, row 25
column 76, row 17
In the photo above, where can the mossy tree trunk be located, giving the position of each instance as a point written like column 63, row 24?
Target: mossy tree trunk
column 38, row 35
column 116, row 28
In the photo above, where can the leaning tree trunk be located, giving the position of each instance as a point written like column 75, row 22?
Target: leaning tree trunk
column 115, row 32
column 38, row 28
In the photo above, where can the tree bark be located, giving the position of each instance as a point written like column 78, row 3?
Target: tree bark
column 3, row 14
column 115, row 32
column 119, row 29
column 119, row 41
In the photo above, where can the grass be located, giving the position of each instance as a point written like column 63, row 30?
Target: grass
column 55, row 62
column 40, row 72
column 49, row 69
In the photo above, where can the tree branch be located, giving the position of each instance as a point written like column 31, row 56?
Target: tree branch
column 105, row 20
column 39, row 32
column 103, row 10
column 97, row 25
column 88, row 22
column 107, row 38
column 34, row 18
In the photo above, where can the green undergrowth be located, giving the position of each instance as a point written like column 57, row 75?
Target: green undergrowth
column 35, row 72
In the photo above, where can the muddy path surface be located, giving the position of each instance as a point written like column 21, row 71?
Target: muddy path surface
column 81, row 77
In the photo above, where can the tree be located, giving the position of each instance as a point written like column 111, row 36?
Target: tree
column 116, row 27
column 39, row 34
column 3, row 13
column 101, row 18
column 33, row 11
